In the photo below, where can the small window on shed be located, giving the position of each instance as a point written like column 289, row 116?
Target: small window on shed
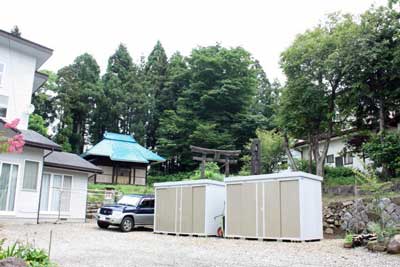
column 3, row 105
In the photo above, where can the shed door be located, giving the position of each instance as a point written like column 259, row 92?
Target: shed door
column 272, row 209
column 248, row 210
column 166, row 209
column 233, row 208
column 199, row 206
column 187, row 210
column 290, row 213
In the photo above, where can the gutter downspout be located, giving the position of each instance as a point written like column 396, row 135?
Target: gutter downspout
column 41, row 185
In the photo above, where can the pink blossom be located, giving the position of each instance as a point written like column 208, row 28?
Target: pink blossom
column 16, row 143
column 12, row 125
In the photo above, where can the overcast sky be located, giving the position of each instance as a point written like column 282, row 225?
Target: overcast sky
column 263, row 27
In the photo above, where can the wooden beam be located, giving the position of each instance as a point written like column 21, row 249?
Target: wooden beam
column 214, row 151
column 231, row 161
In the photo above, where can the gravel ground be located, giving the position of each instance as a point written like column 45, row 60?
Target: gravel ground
column 86, row 245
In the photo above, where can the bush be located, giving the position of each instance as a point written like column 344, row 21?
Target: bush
column 211, row 172
column 339, row 176
column 32, row 256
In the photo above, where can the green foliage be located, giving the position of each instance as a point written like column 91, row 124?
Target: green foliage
column 78, row 90
column 32, row 256
column 382, row 232
column 272, row 152
column 37, row 124
column 348, row 239
column 384, row 151
column 339, row 176
column 211, row 172
column 43, row 99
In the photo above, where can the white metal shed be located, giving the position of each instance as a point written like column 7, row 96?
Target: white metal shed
column 285, row 206
column 189, row 207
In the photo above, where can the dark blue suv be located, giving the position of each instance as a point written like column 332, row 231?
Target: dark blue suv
column 128, row 212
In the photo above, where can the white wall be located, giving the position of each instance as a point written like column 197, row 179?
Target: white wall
column 26, row 201
column 77, row 211
column 17, row 83
column 310, row 209
column 336, row 147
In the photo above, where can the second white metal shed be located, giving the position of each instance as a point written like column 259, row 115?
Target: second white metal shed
column 285, row 206
column 189, row 207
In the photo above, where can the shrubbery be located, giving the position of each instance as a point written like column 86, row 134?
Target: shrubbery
column 33, row 257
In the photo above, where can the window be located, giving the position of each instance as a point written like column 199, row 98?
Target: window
column 30, row 175
column 348, row 159
column 330, row 159
column 8, row 184
column 3, row 105
column 147, row 204
column 2, row 71
column 56, row 192
column 339, row 161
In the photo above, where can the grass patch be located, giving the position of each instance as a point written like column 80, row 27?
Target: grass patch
column 124, row 189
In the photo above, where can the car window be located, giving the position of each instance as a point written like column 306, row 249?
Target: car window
column 147, row 203
column 129, row 200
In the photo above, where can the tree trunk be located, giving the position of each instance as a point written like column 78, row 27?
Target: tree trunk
column 291, row 161
column 310, row 153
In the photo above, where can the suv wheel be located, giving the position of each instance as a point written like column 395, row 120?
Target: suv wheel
column 127, row 224
column 103, row 225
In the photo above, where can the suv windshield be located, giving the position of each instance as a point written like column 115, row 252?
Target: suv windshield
column 129, row 200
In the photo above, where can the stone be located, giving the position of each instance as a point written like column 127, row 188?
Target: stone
column 391, row 208
column 376, row 246
column 13, row 262
column 394, row 245
column 337, row 223
column 329, row 231
column 396, row 200
column 347, row 203
column 330, row 220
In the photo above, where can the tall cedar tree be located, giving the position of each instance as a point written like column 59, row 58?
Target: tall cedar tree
column 155, row 74
column 123, row 107
column 77, row 93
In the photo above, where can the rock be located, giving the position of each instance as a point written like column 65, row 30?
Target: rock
column 376, row 246
column 13, row 262
column 396, row 200
column 330, row 220
column 329, row 231
column 337, row 223
column 347, row 203
column 391, row 208
column 394, row 245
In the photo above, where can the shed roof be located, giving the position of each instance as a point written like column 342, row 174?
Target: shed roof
column 190, row 182
column 121, row 147
column 273, row 176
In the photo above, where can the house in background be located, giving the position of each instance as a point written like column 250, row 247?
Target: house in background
column 122, row 160
column 42, row 183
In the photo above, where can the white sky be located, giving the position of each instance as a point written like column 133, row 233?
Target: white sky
column 263, row 27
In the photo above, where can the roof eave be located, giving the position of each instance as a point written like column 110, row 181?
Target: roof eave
column 73, row 168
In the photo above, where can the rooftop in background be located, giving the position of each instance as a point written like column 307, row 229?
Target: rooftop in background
column 121, row 147
column 40, row 52
column 71, row 162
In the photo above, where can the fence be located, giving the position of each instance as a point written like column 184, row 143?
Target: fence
column 97, row 198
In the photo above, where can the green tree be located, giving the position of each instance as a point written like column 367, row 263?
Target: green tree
column 371, row 63
column 156, row 74
column 123, row 106
column 78, row 90
column 272, row 152
column 37, row 124
column 43, row 98
column 315, row 70
column 214, row 108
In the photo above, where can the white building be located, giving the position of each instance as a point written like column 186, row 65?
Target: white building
column 41, row 178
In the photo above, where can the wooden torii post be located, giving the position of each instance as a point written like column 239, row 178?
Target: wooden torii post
column 226, row 159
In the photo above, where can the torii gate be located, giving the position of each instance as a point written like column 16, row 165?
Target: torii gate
column 226, row 159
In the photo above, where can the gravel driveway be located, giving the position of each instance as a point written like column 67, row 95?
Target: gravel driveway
column 86, row 245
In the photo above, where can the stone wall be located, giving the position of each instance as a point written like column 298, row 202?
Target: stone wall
column 355, row 215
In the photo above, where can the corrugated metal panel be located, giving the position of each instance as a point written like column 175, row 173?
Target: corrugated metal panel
column 290, row 210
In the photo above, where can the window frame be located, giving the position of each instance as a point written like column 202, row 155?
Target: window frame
column 11, row 212
column 6, row 106
column 51, row 189
column 2, row 74
column 333, row 159
column 37, row 176
column 347, row 157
